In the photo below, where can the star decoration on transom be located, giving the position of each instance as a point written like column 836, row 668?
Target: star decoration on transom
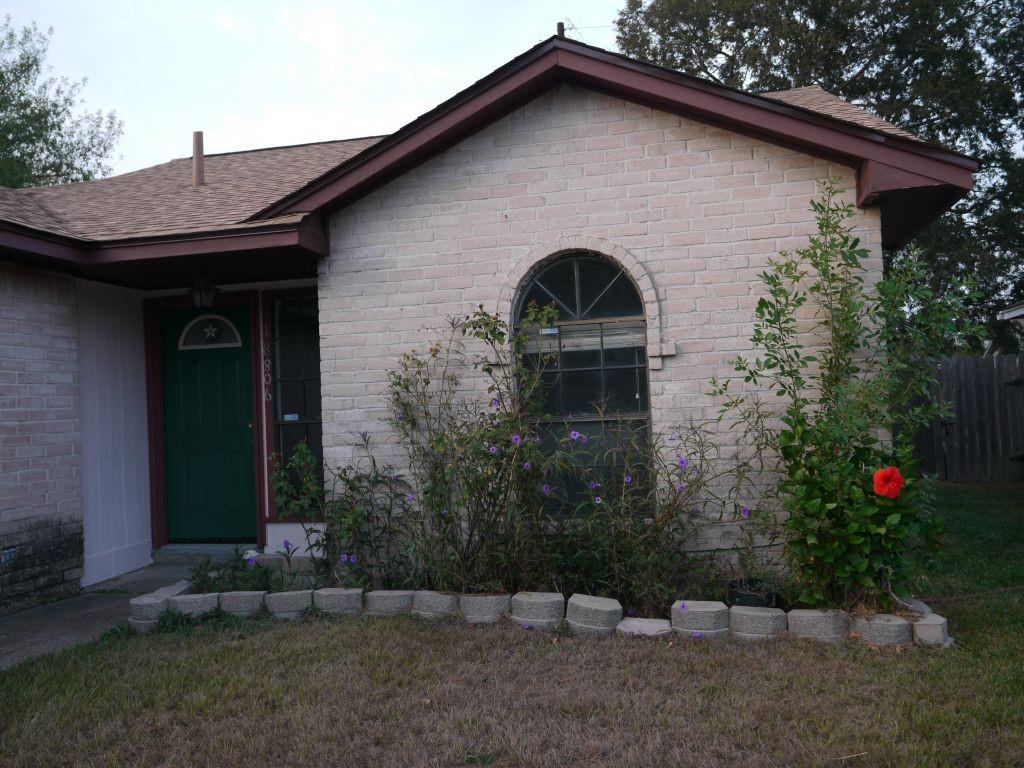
column 211, row 331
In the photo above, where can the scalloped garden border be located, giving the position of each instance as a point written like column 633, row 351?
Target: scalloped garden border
column 580, row 614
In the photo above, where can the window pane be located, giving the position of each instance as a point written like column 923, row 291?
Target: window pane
column 549, row 398
column 624, row 343
column 561, row 281
column 288, row 354
column 620, row 300
column 581, row 392
column 312, row 392
column 595, row 275
column 210, row 331
column 623, row 390
column 540, row 297
column 581, row 346
column 624, row 356
column 289, row 436
column 541, row 347
column 296, row 316
column 290, row 401
column 315, row 437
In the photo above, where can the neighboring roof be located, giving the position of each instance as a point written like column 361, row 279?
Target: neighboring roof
column 817, row 99
column 250, row 199
column 161, row 200
column 1012, row 312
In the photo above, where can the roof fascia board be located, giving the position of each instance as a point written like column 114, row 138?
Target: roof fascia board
column 39, row 244
column 874, row 179
column 536, row 70
column 305, row 237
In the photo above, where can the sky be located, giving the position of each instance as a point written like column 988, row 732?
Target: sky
column 257, row 74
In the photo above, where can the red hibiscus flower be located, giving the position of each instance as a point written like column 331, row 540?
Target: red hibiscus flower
column 888, row 482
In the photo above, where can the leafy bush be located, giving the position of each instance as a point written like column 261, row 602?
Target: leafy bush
column 497, row 496
column 848, row 412
column 353, row 523
column 235, row 574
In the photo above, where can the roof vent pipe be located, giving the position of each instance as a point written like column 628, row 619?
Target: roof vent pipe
column 560, row 29
column 198, row 169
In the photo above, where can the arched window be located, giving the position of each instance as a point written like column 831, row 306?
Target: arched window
column 598, row 370
column 209, row 332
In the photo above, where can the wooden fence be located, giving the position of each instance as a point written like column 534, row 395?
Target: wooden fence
column 984, row 441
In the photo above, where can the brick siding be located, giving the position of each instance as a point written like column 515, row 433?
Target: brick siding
column 40, row 475
column 692, row 211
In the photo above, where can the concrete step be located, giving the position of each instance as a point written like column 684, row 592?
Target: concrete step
column 193, row 554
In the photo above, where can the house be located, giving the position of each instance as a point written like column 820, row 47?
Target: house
column 164, row 331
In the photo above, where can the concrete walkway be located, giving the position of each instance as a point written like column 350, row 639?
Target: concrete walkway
column 58, row 625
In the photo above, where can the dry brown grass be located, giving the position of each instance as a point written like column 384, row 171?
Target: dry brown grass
column 401, row 692
column 398, row 692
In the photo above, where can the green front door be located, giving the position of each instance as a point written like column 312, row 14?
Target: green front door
column 208, row 428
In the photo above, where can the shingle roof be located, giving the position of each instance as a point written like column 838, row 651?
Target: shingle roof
column 161, row 200
column 817, row 99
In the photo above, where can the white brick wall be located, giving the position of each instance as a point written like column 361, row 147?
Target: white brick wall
column 40, row 476
column 692, row 211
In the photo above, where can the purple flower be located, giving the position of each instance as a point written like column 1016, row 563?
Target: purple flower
column 697, row 634
column 352, row 558
column 682, row 607
column 745, row 513
column 251, row 560
column 546, row 488
column 410, row 498
column 516, row 439
column 597, row 499
column 493, row 449
column 527, row 626
column 627, row 479
column 681, row 487
column 593, row 484
column 286, row 544
column 343, row 558
column 574, row 435
column 584, row 439
column 683, row 462
column 538, row 440
column 495, row 403
column 526, row 466
column 444, row 512
column 631, row 612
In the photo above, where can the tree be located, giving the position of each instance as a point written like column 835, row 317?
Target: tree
column 950, row 71
column 44, row 137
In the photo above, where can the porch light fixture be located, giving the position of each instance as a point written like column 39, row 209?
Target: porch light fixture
column 203, row 293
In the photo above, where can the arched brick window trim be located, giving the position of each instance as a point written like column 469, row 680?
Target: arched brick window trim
column 538, row 256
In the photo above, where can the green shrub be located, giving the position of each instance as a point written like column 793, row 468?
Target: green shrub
column 234, row 574
column 847, row 412
column 498, row 497
column 353, row 524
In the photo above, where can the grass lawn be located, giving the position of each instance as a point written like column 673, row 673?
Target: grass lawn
column 374, row 692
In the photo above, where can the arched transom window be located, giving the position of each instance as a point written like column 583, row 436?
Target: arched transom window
column 598, row 371
column 209, row 332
